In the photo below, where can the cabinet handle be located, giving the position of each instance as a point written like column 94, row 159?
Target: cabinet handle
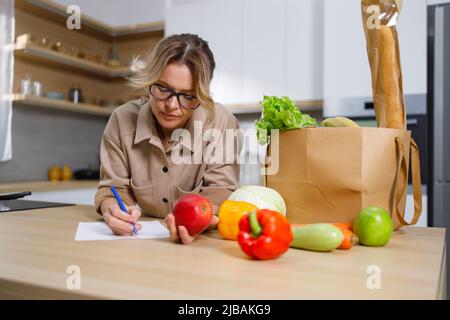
column 412, row 122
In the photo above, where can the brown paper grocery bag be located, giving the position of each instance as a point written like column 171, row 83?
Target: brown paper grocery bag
column 330, row 174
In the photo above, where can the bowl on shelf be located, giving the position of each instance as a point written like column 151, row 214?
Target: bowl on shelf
column 90, row 100
column 110, row 103
column 113, row 63
column 55, row 95
column 26, row 38
column 87, row 174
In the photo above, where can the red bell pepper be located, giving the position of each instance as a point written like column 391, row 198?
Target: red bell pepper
column 264, row 234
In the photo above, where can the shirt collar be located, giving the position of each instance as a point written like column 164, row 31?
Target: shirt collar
column 146, row 126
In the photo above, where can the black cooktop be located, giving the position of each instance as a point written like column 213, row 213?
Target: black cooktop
column 20, row 205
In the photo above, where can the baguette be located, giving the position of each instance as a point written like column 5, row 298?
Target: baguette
column 389, row 92
column 384, row 59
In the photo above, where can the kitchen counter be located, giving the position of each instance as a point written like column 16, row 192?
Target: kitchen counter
column 46, row 186
column 37, row 247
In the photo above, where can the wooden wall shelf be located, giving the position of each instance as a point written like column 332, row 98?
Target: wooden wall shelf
column 62, row 105
column 48, row 56
column 57, row 12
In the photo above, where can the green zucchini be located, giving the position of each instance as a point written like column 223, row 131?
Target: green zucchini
column 316, row 237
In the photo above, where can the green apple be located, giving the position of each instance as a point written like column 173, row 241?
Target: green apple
column 373, row 226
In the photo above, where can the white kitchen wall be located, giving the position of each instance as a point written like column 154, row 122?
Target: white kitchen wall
column 120, row 13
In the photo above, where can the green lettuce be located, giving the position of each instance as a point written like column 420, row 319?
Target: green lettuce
column 280, row 113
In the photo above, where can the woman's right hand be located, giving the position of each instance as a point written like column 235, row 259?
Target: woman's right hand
column 181, row 234
column 121, row 223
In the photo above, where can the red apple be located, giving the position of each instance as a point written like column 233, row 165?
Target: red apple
column 194, row 212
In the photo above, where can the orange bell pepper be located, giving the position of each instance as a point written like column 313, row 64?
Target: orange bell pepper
column 230, row 213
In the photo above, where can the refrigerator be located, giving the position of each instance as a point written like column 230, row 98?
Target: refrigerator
column 439, row 119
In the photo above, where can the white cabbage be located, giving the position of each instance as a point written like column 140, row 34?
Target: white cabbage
column 262, row 197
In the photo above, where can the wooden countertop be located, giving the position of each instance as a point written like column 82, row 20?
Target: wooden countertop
column 45, row 186
column 36, row 248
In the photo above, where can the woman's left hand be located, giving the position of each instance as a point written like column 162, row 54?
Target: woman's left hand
column 182, row 233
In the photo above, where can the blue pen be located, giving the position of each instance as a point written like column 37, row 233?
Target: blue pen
column 121, row 205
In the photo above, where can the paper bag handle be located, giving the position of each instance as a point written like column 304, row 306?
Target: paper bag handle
column 416, row 180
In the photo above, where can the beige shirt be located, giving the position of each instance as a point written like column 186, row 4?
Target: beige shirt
column 134, row 160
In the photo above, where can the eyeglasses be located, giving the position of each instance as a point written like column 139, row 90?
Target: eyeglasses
column 163, row 93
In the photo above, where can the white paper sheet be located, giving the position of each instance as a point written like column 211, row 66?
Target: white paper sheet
column 89, row 231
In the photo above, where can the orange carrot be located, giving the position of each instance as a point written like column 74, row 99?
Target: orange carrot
column 344, row 226
column 350, row 239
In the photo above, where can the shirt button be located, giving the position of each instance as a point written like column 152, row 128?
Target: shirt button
column 165, row 200
column 165, row 169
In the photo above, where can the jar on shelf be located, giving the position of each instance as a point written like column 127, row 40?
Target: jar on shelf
column 25, row 86
column 75, row 94
column 54, row 173
column 37, row 89
column 66, row 173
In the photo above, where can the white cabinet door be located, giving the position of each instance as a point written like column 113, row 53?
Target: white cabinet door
column 264, row 43
column 220, row 23
column 223, row 22
column 304, row 49
column 184, row 17
column 346, row 66
column 412, row 31
column 261, row 47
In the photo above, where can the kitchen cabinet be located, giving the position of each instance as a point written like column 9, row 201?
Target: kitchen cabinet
column 262, row 47
column 184, row 18
column 282, row 49
column 224, row 33
column 224, row 36
column 434, row 2
column 412, row 30
column 346, row 66
column 304, row 49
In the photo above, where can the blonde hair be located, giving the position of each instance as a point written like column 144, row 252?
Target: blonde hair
column 188, row 49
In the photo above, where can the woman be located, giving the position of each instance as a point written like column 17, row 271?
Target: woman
column 153, row 149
